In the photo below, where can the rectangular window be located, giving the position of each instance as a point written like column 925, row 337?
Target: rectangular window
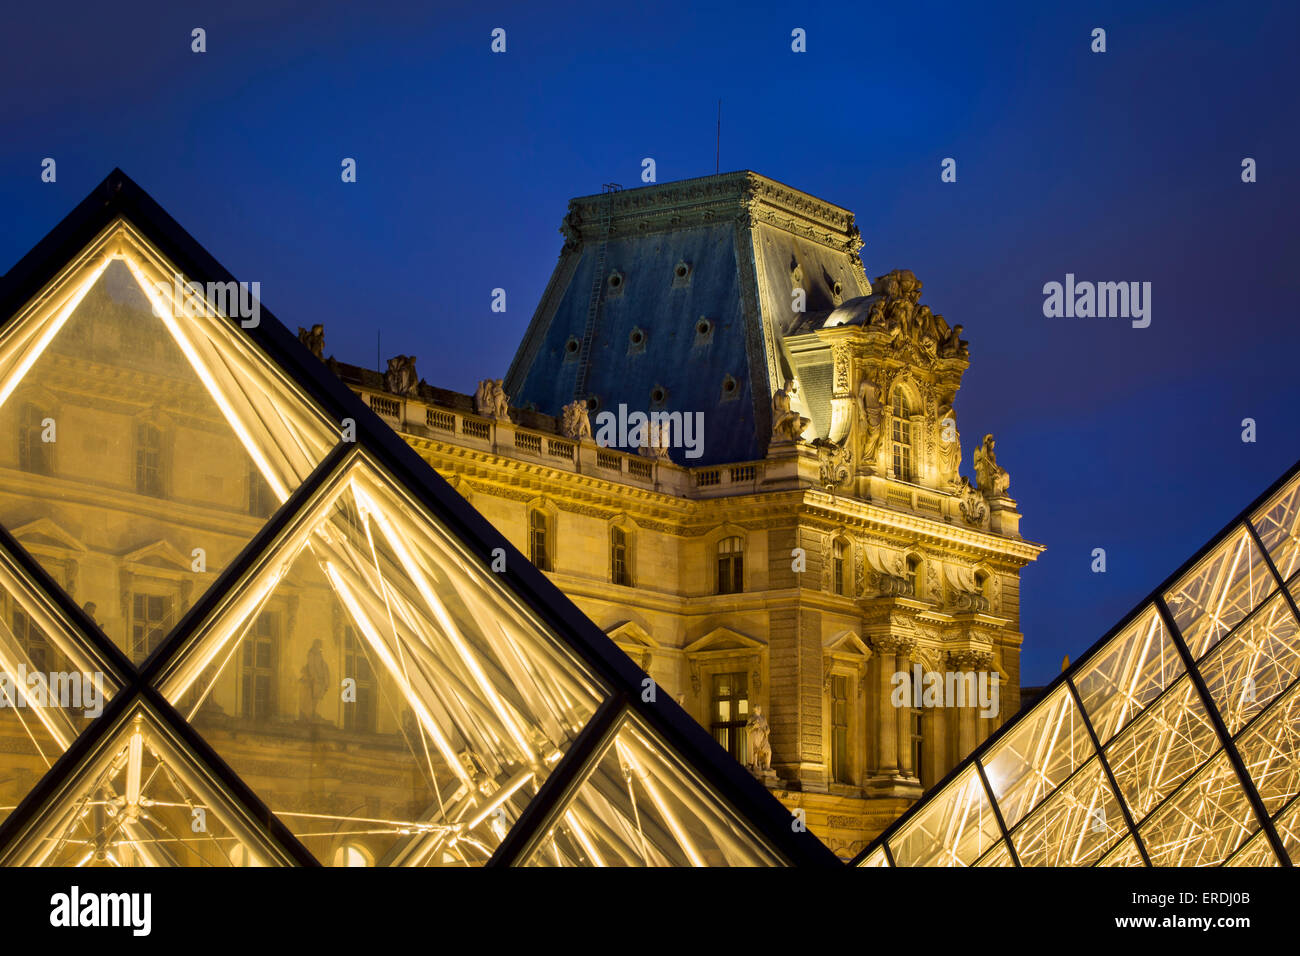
column 257, row 670
column 840, row 729
column 358, row 715
column 538, row 551
column 838, row 567
column 34, row 454
column 261, row 503
column 622, row 573
column 150, row 621
column 148, row 461
column 902, row 450
column 32, row 641
column 731, row 566
column 729, row 712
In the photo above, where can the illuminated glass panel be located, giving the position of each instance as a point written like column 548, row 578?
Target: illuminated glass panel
column 1209, row 600
column 1162, row 748
column 641, row 806
column 998, row 856
column 1278, row 526
column 478, row 701
column 52, row 684
column 141, row 799
column 1127, row 674
column 1256, row 663
column 1047, row 745
column 1270, row 750
column 1203, row 823
column 876, row 858
column 163, row 410
column 1126, row 854
column 1075, row 825
column 1287, row 824
column 1256, row 852
column 953, row 829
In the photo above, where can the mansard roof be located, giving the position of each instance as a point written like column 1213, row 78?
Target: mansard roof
column 703, row 269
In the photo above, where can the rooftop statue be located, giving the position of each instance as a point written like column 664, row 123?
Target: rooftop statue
column 575, row 422
column 993, row 479
column 787, row 425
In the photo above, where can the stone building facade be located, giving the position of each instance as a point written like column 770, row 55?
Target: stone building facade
column 785, row 526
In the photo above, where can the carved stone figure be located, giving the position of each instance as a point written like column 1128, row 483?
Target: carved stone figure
column 972, row 506
column 949, row 447
column 952, row 345
column 993, row 479
column 314, row 339
column 575, row 423
column 872, row 418
column 787, row 425
column 656, row 439
column 491, row 401
column 314, row 681
column 834, row 463
column 400, row 379
column 760, row 747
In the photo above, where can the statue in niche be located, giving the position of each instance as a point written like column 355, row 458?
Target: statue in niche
column 313, row 682
column 952, row 345
column 949, row 447
column 787, row 425
column 314, row 339
column 760, row 747
column 400, row 379
column 872, row 418
column 993, row 479
column 575, row 422
column 491, row 401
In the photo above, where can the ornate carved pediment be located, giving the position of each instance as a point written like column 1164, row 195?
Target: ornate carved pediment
column 834, row 462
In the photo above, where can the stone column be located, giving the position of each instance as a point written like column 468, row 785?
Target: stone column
column 886, row 714
column 968, row 736
column 903, row 715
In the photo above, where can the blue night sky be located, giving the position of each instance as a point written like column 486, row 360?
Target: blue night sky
column 1117, row 166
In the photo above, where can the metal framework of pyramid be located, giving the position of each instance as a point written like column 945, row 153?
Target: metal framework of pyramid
column 1174, row 741
column 516, row 733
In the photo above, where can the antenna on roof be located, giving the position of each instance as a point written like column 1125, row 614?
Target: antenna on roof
column 717, row 156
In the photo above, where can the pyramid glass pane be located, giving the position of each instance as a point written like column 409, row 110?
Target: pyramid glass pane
column 378, row 687
column 641, row 806
column 876, row 858
column 1270, row 750
column 150, row 440
column 1256, row 852
column 1162, row 748
column 53, row 683
column 998, row 856
column 1126, row 854
column 1249, row 669
column 1209, row 600
column 1278, row 526
column 141, row 799
column 1048, row 745
column 1287, row 824
column 1127, row 674
column 1203, row 823
column 1075, row 825
column 953, row 829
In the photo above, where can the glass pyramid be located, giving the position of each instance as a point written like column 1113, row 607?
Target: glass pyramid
column 1173, row 742
column 306, row 654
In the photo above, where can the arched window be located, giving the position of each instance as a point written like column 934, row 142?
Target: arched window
column 731, row 566
column 838, row 552
column 902, row 436
column 33, row 453
column 349, row 854
column 148, row 460
column 915, row 574
column 619, row 563
column 539, row 543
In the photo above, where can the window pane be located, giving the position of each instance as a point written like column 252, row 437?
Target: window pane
column 1203, row 823
column 1278, row 526
column 478, row 702
column 152, row 405
column 1252, row 666
column 1075, row 825
column 641, row 806
column 953, row 829
column 1127, row 675
column 1211, row 598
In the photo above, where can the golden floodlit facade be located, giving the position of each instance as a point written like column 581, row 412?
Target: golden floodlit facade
column 789, row 529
